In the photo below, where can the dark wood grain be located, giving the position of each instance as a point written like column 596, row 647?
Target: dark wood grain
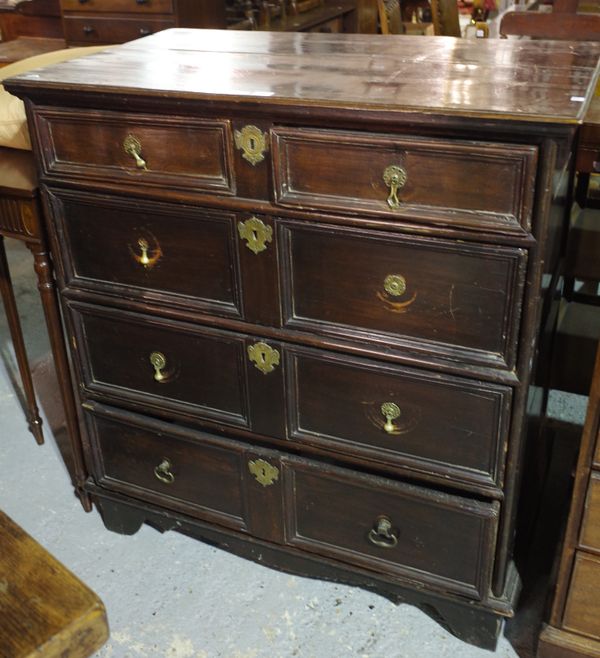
column 103, row 237
column 473, row 184
column 204, row 371
column 176, row 153
column 540, row 81
column 333, row 514
column 454, row 428
column 477, row 254
column 457, row 300
column 206, row 477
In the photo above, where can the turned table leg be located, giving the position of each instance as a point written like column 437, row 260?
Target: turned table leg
column 6, row 290
column 43, row 269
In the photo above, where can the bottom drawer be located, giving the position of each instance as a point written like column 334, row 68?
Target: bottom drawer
column 418, row 537
column 200, row 476
column 399, row 529
column 582, row 611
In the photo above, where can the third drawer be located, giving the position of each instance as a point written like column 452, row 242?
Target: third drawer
column 411, row 420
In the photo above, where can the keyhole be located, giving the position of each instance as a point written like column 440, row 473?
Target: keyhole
column 252, row 144
column 254, row 235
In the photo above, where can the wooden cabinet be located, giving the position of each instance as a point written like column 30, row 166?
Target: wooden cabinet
column 304, row 300
column 116, row 21
column 574, row 628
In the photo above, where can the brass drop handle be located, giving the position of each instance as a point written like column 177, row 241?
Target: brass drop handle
column 159, row 363
column 394, row 177
column 144, row 259
column 382, row 534
column 132, row 146
column 163, row 471
column 390, row 411
column 149, row 257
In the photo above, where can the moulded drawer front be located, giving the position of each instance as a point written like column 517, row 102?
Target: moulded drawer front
column 590, row 528
column 582, row 610
column 129, row 6
column 441, row 540
column 138, row 149
column 89, row 29
column 171, row 255
column 202, row 478
column 475, row 184
column 436, row 296
column 162, row 365
column 453, row 428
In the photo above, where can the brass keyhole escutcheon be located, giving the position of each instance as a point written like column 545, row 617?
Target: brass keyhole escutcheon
column 382, row 534
column 390, row 411
column 256, row 234
column 163, row 471
column 265, row 473
column 133, row 147
column 159, row 363
column 253, row 144
column 264, row 357
column 394, row 177
column 394, row 285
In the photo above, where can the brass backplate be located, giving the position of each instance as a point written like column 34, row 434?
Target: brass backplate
column 395, row 285
column 256, row 234
column 265, row 473
column 252, row 141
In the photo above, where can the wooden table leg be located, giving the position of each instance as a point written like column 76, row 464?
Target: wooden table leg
column 8, row 297
column 43, row 269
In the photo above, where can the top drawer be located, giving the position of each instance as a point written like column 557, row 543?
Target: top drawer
column 137, row 149
column 133, row 6
column 472, row 184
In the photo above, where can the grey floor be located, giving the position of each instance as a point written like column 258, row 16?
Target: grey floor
column 167, row 595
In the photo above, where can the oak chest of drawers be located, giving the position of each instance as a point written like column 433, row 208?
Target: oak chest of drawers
column 116, row 21
column 303, row 285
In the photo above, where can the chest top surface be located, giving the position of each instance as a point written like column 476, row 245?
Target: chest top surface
column 538, row 81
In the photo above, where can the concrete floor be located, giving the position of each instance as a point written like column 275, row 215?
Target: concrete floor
column 175, row 597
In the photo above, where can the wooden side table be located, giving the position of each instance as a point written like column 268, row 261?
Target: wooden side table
column 44, row 609
column 21, row 218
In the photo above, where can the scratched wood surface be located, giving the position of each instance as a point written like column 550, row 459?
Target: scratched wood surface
column 44, row 609
column 536, row 80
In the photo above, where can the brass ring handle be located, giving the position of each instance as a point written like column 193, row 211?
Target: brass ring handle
column 132, row 146
column 390, row 411
column 159, row 362
column 382, row 534
column 163, row 471
column 394, row 177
